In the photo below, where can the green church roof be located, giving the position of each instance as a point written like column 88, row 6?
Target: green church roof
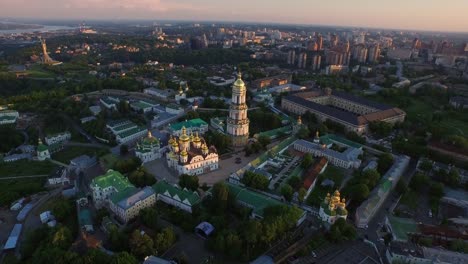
column 42, row 147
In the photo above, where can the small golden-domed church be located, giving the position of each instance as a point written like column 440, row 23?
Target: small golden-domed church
column 189, row 154
column 333, row 208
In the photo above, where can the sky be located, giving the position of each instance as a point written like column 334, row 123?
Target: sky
column 437, row 15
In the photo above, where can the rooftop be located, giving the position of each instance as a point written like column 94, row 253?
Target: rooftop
column 131, row 132
column 197, row 122
column 164, row 188
column 112, row 178
column 258, row 202
column 131, row 196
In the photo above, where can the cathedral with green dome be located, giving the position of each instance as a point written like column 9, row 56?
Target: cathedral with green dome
column 148, row 149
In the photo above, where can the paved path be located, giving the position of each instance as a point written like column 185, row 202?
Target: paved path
column 58, row 163
column 23, row 177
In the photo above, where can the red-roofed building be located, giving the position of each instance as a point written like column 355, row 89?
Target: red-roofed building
column 312, row 173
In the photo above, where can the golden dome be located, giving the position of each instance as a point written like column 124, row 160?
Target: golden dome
column 337, row 193
column 184, row 137
column 299, row 120
column 204, row 147
column 184, row 153
column 197, row 138
column 239, row 84
column 191, row 136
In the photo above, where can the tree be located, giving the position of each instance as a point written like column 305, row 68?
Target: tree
column 384, row 162
column 255, row 180
column 220, row 197
column 381, row 128
column 341, row 231
column 234, row 244
column 287, row 192
column 189, row 182
column 436, row 190
column 141, row 244
column 118, row 240
column 164, row 240
column 62, row 209
column 301, row 194
column 149, row 217
column 359, row 192
column 418, row 181
column 123, row 149
column 425, row 165
column 295, row 182
column 453, row 178
column 123, row 258
column 372, row 177
column 62, row 238
column 307, row 161
column 141, row 178
column 264, row 140
column 303, row 133
column 401, row 187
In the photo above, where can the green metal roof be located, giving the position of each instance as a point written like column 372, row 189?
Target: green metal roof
column 197, row 122
column 162, row 187
column 112, row 178
column 256, row 201
column 131, row 132
column 275, row 132
column 328, row 138
column 141, row 105
column 124, row 127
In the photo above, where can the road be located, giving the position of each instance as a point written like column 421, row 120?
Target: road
column 379, row 218
column 80, row 129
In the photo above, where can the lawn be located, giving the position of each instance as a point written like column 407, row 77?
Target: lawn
column 25, row 168
column 318, row 194
column 333, row 173
column 70, row 153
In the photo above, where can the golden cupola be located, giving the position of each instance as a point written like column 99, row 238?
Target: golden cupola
column 184, row 138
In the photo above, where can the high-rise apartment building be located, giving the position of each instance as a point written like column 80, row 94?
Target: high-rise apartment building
column 360, row 53
column 302, row 60
column 316, row 62
column 291, row 57
column 374, row 53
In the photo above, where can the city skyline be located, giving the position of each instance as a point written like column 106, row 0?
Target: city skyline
column 398, row 14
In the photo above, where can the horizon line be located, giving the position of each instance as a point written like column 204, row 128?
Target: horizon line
column 234, row 22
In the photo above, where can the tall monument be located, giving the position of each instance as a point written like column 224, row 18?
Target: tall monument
column 46, row 59
column 237, row 122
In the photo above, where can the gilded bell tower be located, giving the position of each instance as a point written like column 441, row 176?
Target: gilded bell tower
column 237, row 122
